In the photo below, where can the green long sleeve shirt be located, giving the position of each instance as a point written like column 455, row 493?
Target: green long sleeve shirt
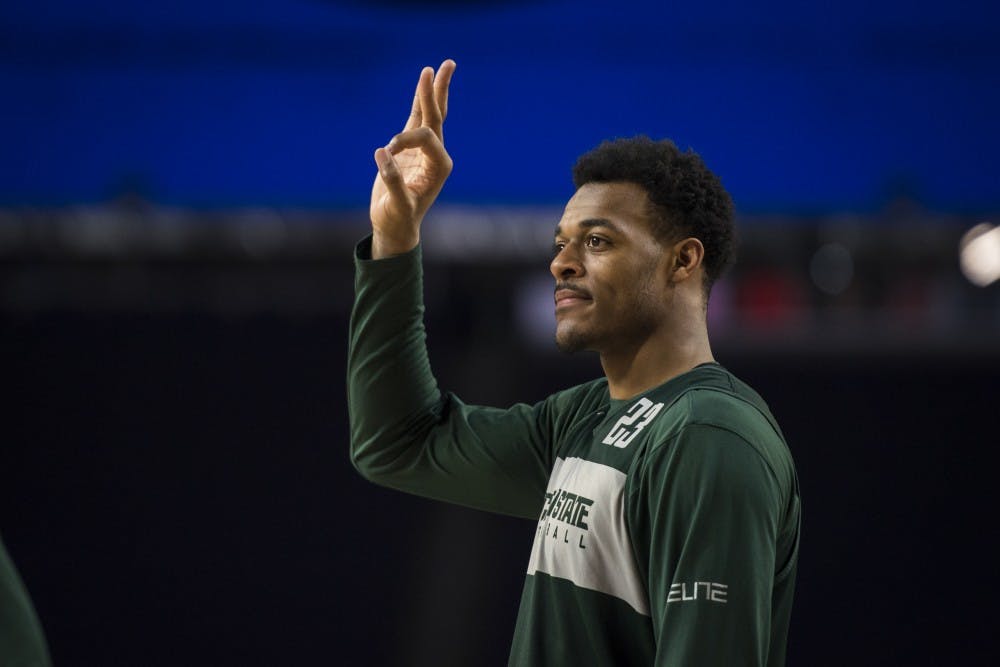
column 22, row 643
column 667, row 524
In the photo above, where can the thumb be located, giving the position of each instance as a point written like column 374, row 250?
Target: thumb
column 389, row 172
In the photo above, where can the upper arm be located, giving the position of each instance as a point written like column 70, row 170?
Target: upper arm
column 710, row 508
column 488, row 458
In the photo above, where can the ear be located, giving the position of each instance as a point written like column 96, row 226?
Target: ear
column 688, row 254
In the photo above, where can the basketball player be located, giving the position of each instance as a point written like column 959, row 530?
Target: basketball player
column 665, row 498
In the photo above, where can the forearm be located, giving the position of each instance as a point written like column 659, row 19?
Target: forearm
column 392, row 394
column 393, row 400
column 406, row 434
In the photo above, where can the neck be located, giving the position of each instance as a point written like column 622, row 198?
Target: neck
column 665, row 354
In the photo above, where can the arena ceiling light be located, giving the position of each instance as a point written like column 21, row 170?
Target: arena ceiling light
column 979, row 254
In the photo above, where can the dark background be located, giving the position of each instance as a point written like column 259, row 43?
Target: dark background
column 180, row 190
column 176, row 490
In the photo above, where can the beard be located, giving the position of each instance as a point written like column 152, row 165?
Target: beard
column 572, row 341
column 581, row 332
column 631, row 325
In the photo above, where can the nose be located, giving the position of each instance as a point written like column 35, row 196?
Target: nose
column 566, row 263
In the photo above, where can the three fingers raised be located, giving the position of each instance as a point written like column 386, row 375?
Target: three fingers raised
column 430, row 100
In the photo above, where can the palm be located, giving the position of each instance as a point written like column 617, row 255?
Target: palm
column 420, row 177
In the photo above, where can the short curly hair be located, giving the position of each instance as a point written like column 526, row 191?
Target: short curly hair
column 687, row 199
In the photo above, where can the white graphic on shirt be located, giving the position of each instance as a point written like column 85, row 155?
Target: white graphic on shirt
column 709, row 591
column 625, row 429
column 582, row 535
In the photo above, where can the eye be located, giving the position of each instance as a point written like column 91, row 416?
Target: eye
column 596, row 242
column 557, row 247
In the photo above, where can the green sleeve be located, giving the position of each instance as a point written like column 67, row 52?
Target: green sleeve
column 408, row 435
column 706, row 510
column 22, row 643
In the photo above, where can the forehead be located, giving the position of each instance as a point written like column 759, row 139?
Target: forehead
column 625, row 204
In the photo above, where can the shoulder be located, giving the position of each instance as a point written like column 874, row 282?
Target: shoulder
column 589, row 395
column 724, row 420
column 743, row 414
column 564, row 408
column 571, row 404
column 706, row 470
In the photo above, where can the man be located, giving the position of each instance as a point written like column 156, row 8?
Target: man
column 666, row 498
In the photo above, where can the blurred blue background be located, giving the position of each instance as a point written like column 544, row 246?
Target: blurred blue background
column 800, row 106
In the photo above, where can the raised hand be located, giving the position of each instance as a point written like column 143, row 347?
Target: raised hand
column 412, row 168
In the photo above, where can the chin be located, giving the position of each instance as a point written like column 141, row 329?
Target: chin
column 572, row 341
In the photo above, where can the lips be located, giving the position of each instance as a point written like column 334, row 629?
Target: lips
column 566, row 297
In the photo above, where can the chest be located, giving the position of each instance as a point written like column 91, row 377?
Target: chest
column 582, row 533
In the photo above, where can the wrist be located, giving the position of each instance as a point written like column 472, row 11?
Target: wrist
column 390, row 245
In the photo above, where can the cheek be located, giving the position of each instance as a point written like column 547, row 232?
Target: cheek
column 648, row 287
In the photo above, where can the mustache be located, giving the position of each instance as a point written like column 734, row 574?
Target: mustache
column 572, row 288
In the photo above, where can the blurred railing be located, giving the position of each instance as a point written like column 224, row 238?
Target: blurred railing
column 826, row 284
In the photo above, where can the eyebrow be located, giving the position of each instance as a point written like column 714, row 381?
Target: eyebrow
column 590, row 223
